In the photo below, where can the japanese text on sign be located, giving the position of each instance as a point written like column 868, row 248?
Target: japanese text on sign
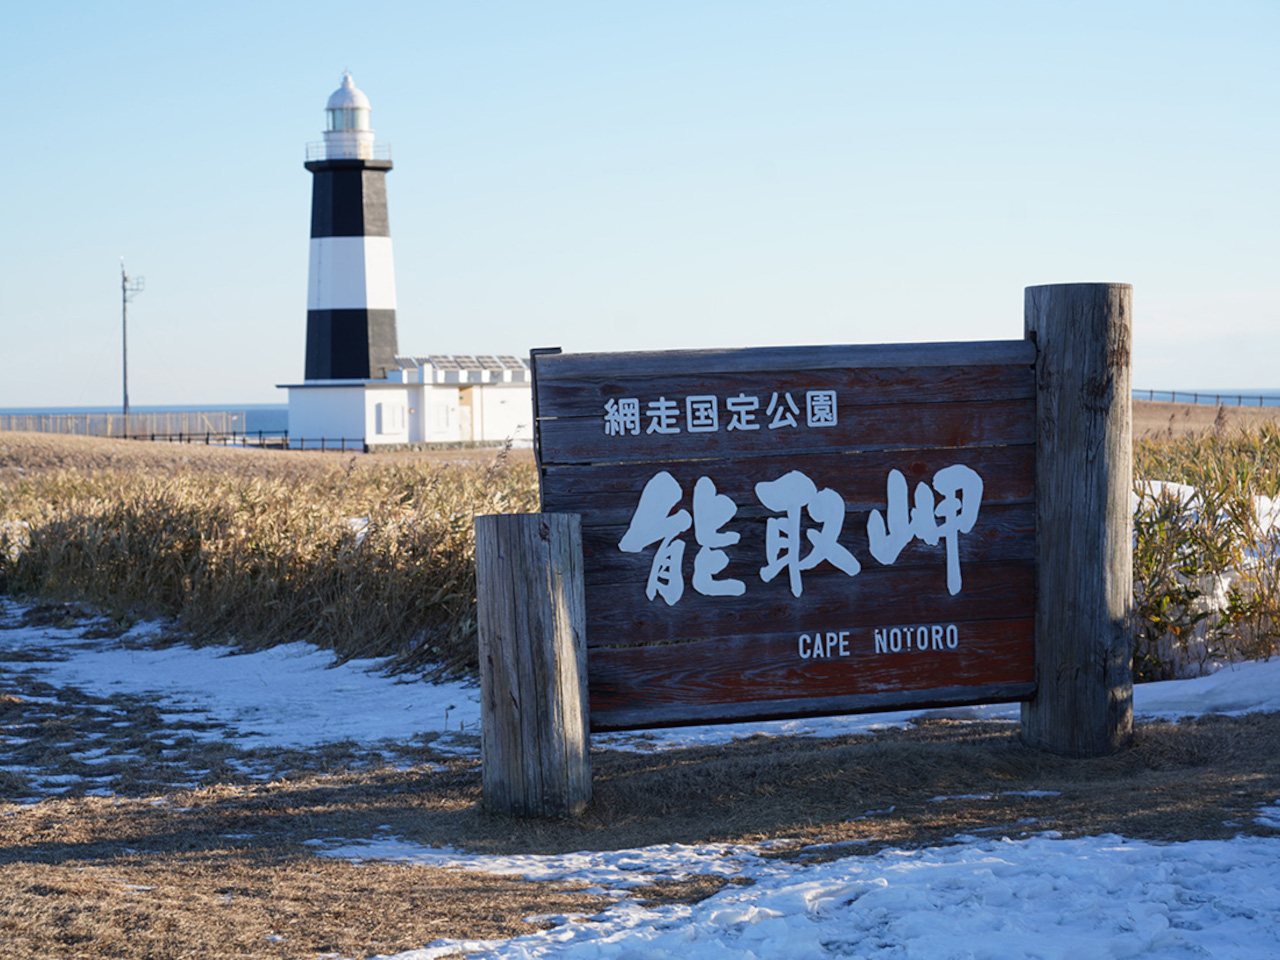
column 626, row 416
column 793, row 495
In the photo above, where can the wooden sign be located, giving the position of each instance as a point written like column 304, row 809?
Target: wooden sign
column 797, row 531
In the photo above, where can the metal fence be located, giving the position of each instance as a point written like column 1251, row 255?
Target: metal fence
column 188, row 423
column 1217, row 399
column 266, row 439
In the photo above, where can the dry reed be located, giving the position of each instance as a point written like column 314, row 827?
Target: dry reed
column 374, row 556
column 369, row 559
column 1207, row 562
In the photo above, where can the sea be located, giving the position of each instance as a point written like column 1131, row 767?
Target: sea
column 1227, row 398
column 267, row 417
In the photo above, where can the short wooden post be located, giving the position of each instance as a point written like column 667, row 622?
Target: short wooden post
column 533, row 664
column 1084, row 524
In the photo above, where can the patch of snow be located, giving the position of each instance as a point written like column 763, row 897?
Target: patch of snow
column 1042, row 898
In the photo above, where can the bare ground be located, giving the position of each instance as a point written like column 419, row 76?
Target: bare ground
column 34, row 452
column 41, row 452
column 1159, row 419
column 203, row 848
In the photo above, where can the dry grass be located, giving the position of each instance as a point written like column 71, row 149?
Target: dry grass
column 1206, row 570
column 364, row 555
column 218, row 870
column 373, row 555
column 1154, row 419
column 38, row 453
column 237, row 904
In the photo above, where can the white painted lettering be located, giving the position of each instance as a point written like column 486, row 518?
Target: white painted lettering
column 828, row 644
column 921, row 638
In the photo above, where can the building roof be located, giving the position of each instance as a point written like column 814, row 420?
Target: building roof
column 464, row 361
column 464, row 368
column 348, row 95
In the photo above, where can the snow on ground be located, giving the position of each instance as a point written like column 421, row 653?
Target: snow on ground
column 286, row 696
column 293, row 696
column 1099, row 897
column 1039, row 897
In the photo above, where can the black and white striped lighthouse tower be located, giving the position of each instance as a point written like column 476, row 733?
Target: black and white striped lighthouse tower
column 351, row 288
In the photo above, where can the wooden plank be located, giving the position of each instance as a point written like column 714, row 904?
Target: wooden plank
column 529, row 608
column 752, row 676
column 628, row 719
column 607, row 494
column 584, row 396
column 905, row 427
column 1084, row 474
column 1004, row 532
column 876, row 597
column 549, row 367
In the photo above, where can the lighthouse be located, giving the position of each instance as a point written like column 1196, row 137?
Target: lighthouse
column 351, row 287
column 357, row 391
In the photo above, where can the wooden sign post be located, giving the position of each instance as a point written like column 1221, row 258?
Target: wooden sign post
column 1084, row 543
column 533, row 723
column 789, row 532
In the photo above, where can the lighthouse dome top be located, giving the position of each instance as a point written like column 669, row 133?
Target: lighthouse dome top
column 348, row 96
column 347, row 134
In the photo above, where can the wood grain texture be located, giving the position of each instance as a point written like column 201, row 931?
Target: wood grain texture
column 664, row 363
column 1004, row 534
column 531, row 618
column 906, row 426
column 915, row 409
column 861, row 478
column 1084, row 704
column 585, row 396
column 875, row 597
column 765, row 674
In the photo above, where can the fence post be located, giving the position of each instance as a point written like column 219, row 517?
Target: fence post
column 531, row 613
column 1084, row 525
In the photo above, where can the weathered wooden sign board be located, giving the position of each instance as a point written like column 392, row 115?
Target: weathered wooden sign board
column 797, row 531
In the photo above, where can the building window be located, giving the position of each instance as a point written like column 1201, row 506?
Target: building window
column 389, row 418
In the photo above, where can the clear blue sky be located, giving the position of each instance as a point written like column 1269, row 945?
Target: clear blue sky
column 638, row 175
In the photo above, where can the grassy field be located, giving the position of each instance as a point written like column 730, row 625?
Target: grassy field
column 367, row 556
column 373, row 555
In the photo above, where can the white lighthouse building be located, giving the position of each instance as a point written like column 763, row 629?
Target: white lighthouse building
column 356, row 388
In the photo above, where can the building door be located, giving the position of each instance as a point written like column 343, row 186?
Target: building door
column 466, row 418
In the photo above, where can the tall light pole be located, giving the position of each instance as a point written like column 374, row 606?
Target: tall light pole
column 129, row 288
